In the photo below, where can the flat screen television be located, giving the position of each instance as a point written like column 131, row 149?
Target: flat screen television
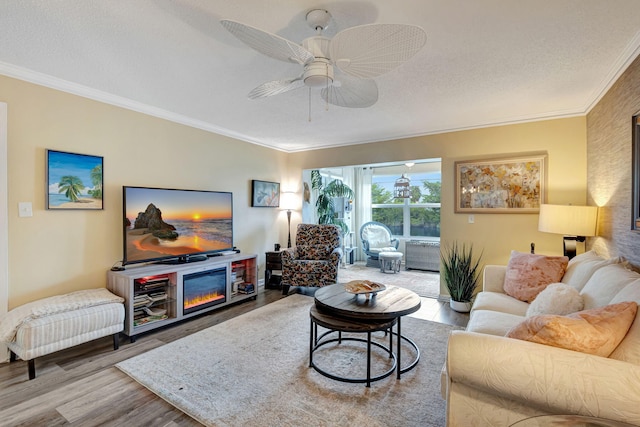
column 175, row 226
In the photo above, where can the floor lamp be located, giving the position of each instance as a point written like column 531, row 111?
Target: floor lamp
column 575, row 223
column 288, row 203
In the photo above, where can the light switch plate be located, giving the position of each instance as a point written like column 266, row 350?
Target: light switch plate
column 25, row 209
column 472, row 219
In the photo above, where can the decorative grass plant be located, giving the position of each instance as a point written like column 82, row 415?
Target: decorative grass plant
column 460, row 271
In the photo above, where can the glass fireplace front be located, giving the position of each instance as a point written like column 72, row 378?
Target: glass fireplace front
column 204, row 289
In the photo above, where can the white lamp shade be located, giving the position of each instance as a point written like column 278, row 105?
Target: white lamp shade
column 288, row 201
column 568, row 220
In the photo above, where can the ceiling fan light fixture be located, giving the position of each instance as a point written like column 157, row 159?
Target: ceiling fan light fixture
column 318, row 74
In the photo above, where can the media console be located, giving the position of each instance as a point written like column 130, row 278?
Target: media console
column 157, row 295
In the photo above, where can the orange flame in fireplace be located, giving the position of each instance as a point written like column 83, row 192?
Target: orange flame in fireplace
column 202, row 299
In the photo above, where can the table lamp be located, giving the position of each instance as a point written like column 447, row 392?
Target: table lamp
column 574, row 222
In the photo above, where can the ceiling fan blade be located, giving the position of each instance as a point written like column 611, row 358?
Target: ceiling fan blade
column 268, row 44
column 368, row 51
column 351, row 92
column 276, row 87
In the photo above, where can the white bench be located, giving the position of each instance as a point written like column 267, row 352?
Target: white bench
column 45, row 326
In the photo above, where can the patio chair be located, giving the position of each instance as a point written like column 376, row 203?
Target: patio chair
column 376, row 237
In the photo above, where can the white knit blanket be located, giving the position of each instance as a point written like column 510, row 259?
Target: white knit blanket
column 10, row 322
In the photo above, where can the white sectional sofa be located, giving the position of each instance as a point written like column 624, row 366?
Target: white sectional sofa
column 492, row 380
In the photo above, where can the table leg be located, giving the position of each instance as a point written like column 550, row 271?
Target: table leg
column 369, row 359
column 399, row 345
column 311, row 341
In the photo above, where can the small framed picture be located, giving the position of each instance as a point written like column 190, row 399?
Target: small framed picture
column 265, row 194
column 74, row 181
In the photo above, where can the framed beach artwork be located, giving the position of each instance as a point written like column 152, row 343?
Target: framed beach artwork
column 74, row 181
column 505, row 185
column 265, row 194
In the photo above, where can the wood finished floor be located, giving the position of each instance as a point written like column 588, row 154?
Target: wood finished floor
column 81, row 386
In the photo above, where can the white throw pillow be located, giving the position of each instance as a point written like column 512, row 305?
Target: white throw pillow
column 605, row 283
column 582, row 267
column 377, row 237
column 557, row 298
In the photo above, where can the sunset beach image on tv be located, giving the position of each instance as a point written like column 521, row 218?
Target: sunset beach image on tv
column 174, row 224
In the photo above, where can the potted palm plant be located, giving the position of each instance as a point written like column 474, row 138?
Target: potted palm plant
column 327, row 194
column 460, row 272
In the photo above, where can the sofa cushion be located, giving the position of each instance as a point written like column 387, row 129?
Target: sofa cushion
column 528, row 274
column 492, row 322
column 557, row 298
column 597, row 331
column 582, row 267
column 497, row 301
column 605, row 283
column 377, row 237
column 629, row 348
column 382, row 249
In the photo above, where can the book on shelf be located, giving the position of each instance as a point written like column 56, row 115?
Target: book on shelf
column 157, row 296
column 148, row 319
column 152, row 283
column 141, row 301
column 246, row 288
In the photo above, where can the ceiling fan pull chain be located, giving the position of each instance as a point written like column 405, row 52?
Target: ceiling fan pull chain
column 326, row 67
column 309, row 104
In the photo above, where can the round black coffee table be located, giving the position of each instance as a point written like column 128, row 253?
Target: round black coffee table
column 390, row 304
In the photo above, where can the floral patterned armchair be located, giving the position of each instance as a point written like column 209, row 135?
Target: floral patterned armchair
column 315, row 259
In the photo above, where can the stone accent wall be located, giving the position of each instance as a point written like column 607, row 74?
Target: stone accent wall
column 609, row 174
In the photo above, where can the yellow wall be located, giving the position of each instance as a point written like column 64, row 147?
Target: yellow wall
column 60, row 251
column 495, row 234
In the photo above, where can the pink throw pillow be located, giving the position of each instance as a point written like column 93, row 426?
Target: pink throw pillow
column 529, row 274
column 597, row 331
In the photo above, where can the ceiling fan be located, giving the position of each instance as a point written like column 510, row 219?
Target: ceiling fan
column 344, row 66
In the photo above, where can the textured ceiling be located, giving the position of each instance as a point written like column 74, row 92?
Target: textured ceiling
column 486, row 62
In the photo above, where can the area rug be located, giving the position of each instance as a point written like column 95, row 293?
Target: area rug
column 253, row 370
column 424, row 283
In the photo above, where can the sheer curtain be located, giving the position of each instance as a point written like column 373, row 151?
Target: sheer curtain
column 362, row 208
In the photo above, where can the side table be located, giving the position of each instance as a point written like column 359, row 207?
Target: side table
column 348, row 255
column 273, row 270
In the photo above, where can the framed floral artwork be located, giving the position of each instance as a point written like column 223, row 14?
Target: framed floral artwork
column 265, row 194
column 74, row 181
column 506, row 185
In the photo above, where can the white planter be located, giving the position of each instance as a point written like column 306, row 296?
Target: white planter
column 460, row 307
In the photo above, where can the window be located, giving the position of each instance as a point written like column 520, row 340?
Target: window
column 417, row 216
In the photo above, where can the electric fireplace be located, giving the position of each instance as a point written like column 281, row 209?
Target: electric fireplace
column 204, row 289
